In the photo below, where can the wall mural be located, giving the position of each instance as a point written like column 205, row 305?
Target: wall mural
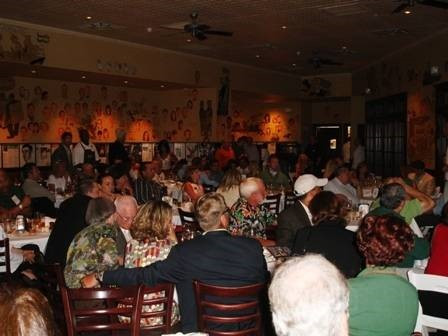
column 36, row 110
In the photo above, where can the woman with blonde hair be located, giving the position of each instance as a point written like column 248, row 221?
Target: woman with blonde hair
column 230, row 186
column 152, row 239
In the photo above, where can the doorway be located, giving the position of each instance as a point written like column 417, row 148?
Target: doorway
column 330, row 139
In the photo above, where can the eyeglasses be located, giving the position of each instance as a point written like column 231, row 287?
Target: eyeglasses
column 125, row 219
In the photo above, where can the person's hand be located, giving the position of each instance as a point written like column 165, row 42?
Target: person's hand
column 26, row 202
column 89, row 281
column 28, row 255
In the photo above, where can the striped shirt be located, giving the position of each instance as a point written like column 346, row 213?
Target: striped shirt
column 148, row 191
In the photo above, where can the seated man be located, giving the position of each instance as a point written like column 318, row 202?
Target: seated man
column 188, row 262
column 70, row 221
column 248, row 216
column 159, row 175
column 340, row 184
column 42, row 199
column 393, row 202
column 145, row 188
column 298, row 215
column 94, row 249
column 309, row 296
column 272, row 176
column 126, row 212
column 13, row 200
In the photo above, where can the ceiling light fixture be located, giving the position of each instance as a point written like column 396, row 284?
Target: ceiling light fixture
column 149, row 30
column 257, row 56
column 407, row 12
column 33, row 71
column 162, row 86
column 298, row 52
column 188, row 40
column 294, row 65
column 83, row 77
column 88, row 18
column 284, row 27
column 125, row 82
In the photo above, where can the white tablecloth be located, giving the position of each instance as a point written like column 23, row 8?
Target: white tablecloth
column 17, row 241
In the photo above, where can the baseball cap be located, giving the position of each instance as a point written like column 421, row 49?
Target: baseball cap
column 308, row 182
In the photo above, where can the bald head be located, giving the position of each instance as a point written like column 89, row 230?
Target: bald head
column 126, row 211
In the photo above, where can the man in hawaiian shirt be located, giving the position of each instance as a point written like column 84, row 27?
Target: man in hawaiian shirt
column 248, row 216
column 94, row 249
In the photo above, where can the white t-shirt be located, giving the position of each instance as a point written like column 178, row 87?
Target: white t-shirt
column 59, row 182
column 78, row 152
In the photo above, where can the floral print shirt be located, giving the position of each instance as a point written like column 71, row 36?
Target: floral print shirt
column 247, row 220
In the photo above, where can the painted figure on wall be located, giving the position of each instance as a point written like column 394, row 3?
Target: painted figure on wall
column 224, row 94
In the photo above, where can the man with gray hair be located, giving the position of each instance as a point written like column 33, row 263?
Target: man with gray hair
column 215, row 257
column 126, row 210
column 248, row 216
column 309, row 297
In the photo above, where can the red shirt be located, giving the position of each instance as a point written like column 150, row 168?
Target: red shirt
column 438, row 261
column 223, row 156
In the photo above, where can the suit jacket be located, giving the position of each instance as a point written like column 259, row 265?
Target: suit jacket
column 289, row 222
column 216, row 258
column 121, row 242
column 70, row 221
column 334, row 242
column 60, row 154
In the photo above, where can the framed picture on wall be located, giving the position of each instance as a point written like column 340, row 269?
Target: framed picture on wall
column 103, row 151
column 136, row 152
column 43, row 155
column 191, row 150
column 147, row 152
column 27, row 154
column 179, row 150
column 10, row 156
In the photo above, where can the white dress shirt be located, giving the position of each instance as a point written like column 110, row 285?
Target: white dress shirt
column 78, row 152
column 347, row 190
column 126, row 234
column 308, row 212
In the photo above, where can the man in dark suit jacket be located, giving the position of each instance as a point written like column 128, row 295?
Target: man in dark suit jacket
column 63, row 153
column 216, row 258
column 70, row 222
column 298, row 215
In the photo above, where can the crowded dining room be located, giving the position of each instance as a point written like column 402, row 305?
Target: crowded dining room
column 224, row 167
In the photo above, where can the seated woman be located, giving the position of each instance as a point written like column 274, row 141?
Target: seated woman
column 230, row 187
column 25, row 311
column 192, row 188
column 107, row 187
column 153, row 236
column 362, row 175
column 381, row 302
column 328, row 236
column 94, row 249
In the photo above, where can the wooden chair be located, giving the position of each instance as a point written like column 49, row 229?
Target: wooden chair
column 5, row 260
column 188, row 219
column 290, row 199
column 53, row 280
column 166, row 301
column 247, row 313
column 104, row 317
column 273, row 203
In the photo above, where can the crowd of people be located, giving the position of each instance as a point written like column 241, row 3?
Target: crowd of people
column 116, row 229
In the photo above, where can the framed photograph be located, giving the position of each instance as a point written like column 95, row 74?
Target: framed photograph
column 10, row 156
column 43, row 155
column 136, row 152
column 191, row 150
column 179, row 150
column 27, row 154
column 147, row 151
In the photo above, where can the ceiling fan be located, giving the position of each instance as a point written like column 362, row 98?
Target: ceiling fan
column 197, row 30
column 317, row 62
column 407, row 4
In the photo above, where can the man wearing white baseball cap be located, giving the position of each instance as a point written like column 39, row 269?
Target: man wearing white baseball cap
column 298, row 215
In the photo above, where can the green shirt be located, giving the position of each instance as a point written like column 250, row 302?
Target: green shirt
column 381, row 304
column 411, row 209
column 6, row 200
column 275, row 181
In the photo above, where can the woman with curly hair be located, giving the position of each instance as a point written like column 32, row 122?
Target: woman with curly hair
column 381, row 302
column 153, row 236
column 328, row 235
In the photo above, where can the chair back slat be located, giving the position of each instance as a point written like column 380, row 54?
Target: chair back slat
column 5, row 259
column 188, row 220
column 87, row 319
column 290, row 199
column 272, row 202
column 167, row 301
column 209, row 302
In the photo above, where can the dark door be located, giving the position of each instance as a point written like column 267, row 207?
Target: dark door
column 330, row 140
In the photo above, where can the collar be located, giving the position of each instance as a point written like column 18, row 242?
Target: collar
column 372, row 270
column 308, row 212
column 215, row 231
